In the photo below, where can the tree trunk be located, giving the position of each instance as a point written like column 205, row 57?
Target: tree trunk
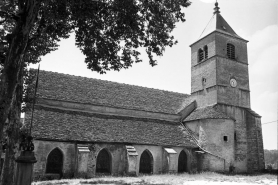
column 11, row 86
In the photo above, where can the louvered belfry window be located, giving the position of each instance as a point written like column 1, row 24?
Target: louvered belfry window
column 200, row 55
column 206, row 52
column 231, row 51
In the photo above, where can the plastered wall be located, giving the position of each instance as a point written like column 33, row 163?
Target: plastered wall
column 211, row 134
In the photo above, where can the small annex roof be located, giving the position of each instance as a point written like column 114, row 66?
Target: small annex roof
column 209, row 112
column 253, row 112
column 64, row 87
column 218, row 23
column 64, row 125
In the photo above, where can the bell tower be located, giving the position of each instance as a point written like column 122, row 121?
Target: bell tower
column 219, row 77
column 219, row 65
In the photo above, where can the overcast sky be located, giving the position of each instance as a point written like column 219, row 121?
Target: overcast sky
column 253, row 20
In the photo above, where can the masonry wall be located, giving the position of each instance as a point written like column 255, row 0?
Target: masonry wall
column 83, row 164
column 43, row 148
column 211, row 134
column 167, row 163
column 255, row 150
column 118, row 158
column 240, row 134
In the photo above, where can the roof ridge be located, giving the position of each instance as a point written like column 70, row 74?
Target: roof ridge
column 115, row 82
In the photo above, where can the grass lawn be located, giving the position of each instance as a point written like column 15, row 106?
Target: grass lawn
column 207, row 178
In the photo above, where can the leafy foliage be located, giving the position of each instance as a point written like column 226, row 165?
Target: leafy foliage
column 271, row 158
column 108, row 32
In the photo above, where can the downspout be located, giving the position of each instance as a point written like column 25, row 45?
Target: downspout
column 204, row 150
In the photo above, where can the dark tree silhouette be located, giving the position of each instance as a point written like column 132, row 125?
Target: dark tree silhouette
column 108, row 32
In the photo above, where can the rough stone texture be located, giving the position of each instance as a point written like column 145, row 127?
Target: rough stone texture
column 213, row 141
column 118, row 158
column 83, row 158
column 241, row 136
column 234, row 102
column 106, row 115
column 111, row 111
column 221, row 41
column 63, row 87
column 43, row 148
column 255, row 150
column 131, row 165
column 209, row 112
column 65, row 125
column 86, row 163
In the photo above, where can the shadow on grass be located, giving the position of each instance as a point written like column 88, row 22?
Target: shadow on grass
column 117, row 183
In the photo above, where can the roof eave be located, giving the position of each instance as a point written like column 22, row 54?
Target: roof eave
column 221, row 32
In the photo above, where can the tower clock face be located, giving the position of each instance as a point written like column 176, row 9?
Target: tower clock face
column 233, row 82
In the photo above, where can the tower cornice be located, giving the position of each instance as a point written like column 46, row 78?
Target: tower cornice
column 221, row 32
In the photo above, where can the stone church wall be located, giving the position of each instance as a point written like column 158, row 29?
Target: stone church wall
column 240, row 135
column 43, row 148
column 255, row 143
column 222, row 40
column 83, row 163
column 118, row 158
column 214, row 142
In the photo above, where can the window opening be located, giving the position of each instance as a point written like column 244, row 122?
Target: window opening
column 55, row 162
column 146, row 163
column 231, row 51
column 200, row 55
column 204, row 80
column 206, row 52
column 103, row 162
column 225, row 138
column 182, row 163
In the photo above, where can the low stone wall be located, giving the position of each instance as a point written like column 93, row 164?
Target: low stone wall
column 80, row 160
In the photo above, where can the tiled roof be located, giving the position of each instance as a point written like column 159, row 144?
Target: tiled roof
column 210, row 112
column 218, row 23
column 253, row 112
column 54, row 124
column 65, row 87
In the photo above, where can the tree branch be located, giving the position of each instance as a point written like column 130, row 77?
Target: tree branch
column 39, row 31
column 9, row 15
column 20, row 5
column 1, row 22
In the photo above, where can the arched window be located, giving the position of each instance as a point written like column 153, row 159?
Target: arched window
column 200, row 55
column 146, row 163
column 55, row 162
column 103, row 162
column 231, row 51
column 205, row 51
column 182, row 165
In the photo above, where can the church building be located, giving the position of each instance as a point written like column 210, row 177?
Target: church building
column 85, row 127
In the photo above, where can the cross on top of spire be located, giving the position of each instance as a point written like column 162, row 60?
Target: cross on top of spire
column 216, row 8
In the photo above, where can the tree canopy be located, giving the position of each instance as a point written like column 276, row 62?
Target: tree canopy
column 108, row 32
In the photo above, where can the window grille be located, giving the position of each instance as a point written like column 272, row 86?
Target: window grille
column 231, row 51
